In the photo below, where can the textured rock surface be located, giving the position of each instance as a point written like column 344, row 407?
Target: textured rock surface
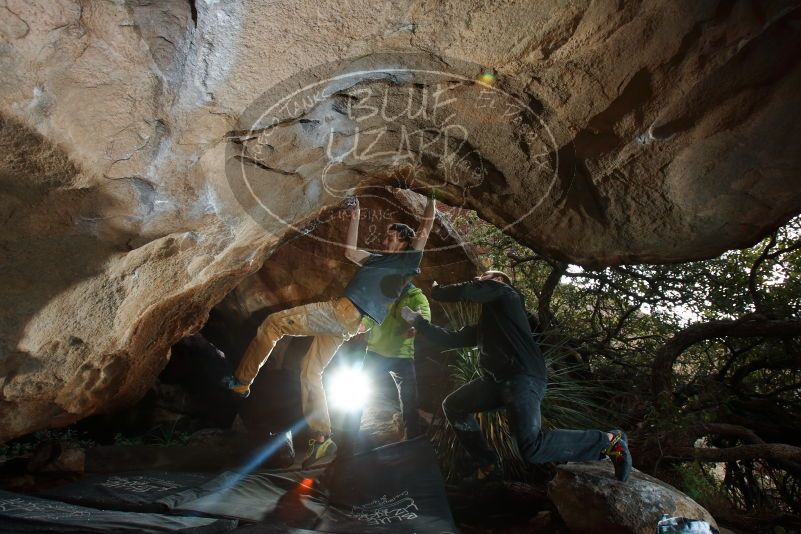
column 314, row 268
column 655, row 132
column 589, row 499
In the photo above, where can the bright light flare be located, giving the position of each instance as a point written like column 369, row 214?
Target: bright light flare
column 349, row 389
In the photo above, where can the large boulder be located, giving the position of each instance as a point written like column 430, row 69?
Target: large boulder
column 590, row 500
column 153, row 155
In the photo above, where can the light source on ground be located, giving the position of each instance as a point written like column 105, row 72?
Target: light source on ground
column 349, row 388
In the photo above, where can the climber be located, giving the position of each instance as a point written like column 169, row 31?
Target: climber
column 513, row 376
column 370, row 292
column 390, row 349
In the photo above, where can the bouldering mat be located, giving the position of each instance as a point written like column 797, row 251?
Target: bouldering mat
column 290, row 497
column 395, row 488
column 271, row 528
column 23, row 513
column 137, row 492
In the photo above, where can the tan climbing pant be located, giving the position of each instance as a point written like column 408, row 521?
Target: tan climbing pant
column 331, row 323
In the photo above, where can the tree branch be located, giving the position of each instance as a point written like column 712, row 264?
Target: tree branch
column 756, row 298
column 726, row 430
column 748, row 326
column 778, row 452
column 744, row 434
column 544, row 305
column 787, row 362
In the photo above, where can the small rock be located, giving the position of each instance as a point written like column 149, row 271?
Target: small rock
column 55, row 457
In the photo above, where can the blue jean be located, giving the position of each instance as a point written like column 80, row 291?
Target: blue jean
column 403, row 374
column 521, row 395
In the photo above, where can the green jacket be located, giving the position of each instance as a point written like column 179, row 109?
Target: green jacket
column 390, row 337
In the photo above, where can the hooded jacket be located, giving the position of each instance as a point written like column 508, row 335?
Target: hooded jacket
column 503, row 335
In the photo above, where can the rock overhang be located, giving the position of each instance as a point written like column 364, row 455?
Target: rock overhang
column 673, row 128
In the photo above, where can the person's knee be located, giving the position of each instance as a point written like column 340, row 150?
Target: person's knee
column 312, row 374
column 530, row 445
column 269, row 328
column 273, row 322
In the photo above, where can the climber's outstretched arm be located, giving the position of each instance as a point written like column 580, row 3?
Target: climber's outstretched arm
column 354, row 254
column 424, row 231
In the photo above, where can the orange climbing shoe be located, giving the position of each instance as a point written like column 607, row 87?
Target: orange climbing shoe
column 618, row 452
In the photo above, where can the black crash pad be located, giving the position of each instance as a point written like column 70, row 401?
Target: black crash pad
column 23, row 513
column 136, row 492
column 395, row 488
column 392, row 489
column 291, row 497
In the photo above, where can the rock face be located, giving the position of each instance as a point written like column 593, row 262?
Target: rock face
column 312, row 268
column 154, row 154
column 590, row 500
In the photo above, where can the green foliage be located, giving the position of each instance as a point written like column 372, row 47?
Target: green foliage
column 700, row 483
column 167, row 434
column 164, row 435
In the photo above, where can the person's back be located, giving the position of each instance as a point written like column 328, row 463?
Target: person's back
column 380, row 281
column 505, row 341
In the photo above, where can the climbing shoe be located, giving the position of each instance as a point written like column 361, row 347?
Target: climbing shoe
column 489, row 473
column 618, row 452
column 319, row 450
column 235, row 386
column 483, row 475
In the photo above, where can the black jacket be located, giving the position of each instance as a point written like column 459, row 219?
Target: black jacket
column 503, row 336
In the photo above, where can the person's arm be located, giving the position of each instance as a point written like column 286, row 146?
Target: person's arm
column 367, row 324
column 479, row 292
column 354, row 254
column 464, row 337
column 419, row 242
column 418, row 303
